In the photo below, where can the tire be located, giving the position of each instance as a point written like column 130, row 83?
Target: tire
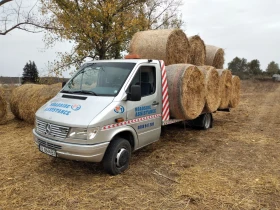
column 117, row 156
column 207, row 121
column 203, row 122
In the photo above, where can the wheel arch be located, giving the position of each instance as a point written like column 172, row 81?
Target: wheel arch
column 127, row 133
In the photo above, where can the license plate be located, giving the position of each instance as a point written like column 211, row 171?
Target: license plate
column 48, row 151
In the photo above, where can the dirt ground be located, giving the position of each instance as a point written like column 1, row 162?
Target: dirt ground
column 234, row 165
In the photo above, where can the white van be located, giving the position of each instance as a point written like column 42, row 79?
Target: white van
column 107, row 110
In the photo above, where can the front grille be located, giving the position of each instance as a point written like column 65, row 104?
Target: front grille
column 49, row 145
column 51, row 130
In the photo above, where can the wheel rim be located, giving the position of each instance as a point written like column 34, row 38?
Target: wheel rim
column 207, row 121
column 122, row 158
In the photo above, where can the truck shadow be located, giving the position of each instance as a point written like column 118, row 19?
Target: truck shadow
column 69, row 168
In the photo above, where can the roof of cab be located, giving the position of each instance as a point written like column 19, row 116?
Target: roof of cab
column 124, row 61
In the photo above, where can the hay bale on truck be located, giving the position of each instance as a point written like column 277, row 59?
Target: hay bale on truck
column 214, row 56
column 170, row 45
column 186, row 91
column 225, row 87
column 212, row 87
column 3, row 108
column 235, row 95
column 27, row 99
column 197, row 52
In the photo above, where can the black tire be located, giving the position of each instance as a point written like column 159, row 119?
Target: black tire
column 203, row 122
column 117, row 156
column 207, row 121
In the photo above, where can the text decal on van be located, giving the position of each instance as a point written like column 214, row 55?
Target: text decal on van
column 62, row 108
column 56, row 110
column 146, row 125
column 144, row 110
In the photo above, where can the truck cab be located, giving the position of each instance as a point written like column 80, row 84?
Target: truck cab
column 107, row 110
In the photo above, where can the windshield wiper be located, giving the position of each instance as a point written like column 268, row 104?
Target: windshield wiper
column 80, row 91
column 85, row 92
column 66, row 91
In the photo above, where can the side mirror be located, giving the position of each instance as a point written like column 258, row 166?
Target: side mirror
column 135, row 94
column 63, row 84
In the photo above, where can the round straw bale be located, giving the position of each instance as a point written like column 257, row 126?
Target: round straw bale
column 197, row 52
column 215, row 56
column 170, row 45
column 3, row 108
column 235, row 95
column 27, row 99
column 212, row 86
column 225, row 87
column 186, row 91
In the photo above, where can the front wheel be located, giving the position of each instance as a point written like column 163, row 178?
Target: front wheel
column 117, row 156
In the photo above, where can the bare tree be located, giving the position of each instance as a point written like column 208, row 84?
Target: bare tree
column 163, row 14
column 16, row 15
column 4, row 2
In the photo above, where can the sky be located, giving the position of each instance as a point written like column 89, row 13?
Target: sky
column 248, row 29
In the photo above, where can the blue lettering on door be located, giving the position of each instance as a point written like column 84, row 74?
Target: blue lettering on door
column 147, row 125
column 144, row 110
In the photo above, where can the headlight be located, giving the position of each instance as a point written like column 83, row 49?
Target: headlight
column 92, row 133
column 82, row 133
column 78, row 133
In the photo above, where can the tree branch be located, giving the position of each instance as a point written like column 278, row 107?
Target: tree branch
column 4, row 2
column 17, row 26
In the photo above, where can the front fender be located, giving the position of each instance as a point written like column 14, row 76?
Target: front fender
column 111, row 133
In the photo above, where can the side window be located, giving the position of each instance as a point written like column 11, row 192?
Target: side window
column 146, row 78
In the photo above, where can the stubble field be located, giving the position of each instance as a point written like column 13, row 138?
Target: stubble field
column 234, row 165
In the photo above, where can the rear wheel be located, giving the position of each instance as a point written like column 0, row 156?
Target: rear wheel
column 207, row 121
column 117, row 156
column 204, row 121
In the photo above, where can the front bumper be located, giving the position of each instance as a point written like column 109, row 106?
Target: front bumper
column 80, row 152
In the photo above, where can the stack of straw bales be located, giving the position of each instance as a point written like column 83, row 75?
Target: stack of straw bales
column 192, row 90
column 225, row 87
column 186, row 91
column 214, row 56
column 3, row 108
column 197, row 52
column 212, row 86
column 27, row 99
column 170, row 45
column 235, row 95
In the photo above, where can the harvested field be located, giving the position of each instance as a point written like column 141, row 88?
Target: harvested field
column 234, row 165
column 170, row 45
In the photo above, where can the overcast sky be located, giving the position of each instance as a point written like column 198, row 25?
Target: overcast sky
column 249, row 29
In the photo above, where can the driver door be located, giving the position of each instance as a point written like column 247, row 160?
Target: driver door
column 146, row 113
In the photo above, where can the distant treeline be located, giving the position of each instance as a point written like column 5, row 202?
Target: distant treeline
column 248, row 70
column 42, row 80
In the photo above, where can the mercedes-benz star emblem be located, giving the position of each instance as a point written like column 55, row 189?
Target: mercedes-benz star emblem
column 48, row 129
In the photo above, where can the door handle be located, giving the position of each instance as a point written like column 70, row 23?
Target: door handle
column 155, row 103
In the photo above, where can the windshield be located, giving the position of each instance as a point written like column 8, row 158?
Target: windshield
column 101, row 79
